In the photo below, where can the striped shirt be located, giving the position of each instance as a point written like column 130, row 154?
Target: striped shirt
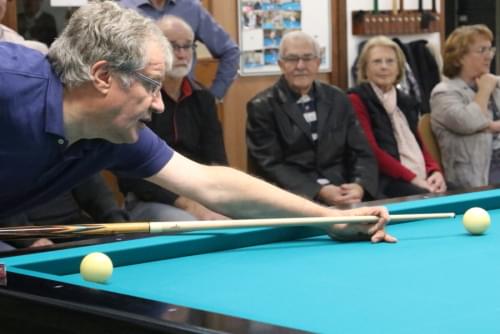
column 308, row 107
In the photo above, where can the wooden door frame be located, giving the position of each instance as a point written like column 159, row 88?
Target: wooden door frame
column 10, row 18
column 338, row 76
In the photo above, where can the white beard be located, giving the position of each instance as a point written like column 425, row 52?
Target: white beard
column 179, row 72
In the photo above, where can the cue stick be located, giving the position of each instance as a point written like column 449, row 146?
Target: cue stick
column 188, row 226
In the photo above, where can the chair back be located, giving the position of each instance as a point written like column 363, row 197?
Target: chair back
column 428, row 138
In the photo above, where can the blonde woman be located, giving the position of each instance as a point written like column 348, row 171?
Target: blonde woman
column 389, row 119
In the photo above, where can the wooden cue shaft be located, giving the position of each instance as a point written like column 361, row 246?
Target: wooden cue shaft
column 185, row 226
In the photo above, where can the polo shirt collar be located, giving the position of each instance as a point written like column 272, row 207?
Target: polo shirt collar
column 54, row 119
column 186, row 88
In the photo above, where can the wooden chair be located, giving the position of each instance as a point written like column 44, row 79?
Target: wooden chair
column 428, row 138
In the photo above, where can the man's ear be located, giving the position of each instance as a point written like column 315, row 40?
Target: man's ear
column 101, row 76
column 281, row 64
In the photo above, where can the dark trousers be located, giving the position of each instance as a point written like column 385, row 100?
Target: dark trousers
column 398, row 188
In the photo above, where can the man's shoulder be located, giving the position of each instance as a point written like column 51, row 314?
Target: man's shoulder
column 269, row 93
column 329, row 92
column 189, row 3
column 329, row 88
column 20, row 59
column 198, row 87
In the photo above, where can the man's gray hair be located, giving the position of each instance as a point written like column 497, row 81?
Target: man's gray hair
column 105, row 31
column 299, row 35
column 166, row 22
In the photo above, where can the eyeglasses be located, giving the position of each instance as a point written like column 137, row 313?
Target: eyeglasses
column 151, row 85
column 186, row 47
column 294, row 59
column 388, row 62
column 489, row 50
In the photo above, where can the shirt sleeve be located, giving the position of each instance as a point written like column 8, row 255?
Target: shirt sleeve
column 144, row 158
column 222, row 47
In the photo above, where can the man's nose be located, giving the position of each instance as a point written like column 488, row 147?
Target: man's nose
column 301, row 63
column 157, row 105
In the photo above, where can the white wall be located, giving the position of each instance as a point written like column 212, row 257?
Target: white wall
column 353, row 41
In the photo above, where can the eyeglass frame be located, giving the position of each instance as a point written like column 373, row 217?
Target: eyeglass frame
column 187, row 47
column 294, row 59
column 155, row 86
column 486, row 50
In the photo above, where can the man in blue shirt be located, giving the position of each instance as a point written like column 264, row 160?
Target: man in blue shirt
column 206, row 30
column 91, row 201
column 82, row 109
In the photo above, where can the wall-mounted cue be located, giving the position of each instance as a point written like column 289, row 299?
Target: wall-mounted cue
column 59, row 231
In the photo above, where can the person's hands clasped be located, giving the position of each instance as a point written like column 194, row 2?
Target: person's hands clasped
column 375, row 232
column 346, row 193
column 421, row 183
column 436, row 182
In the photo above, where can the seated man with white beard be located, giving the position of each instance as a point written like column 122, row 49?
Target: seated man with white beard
column 189, row 125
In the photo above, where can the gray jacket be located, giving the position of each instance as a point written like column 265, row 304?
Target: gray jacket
column 458, row 123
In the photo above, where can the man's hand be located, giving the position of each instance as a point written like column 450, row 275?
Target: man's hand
column 374, row 232
column 197, row 210
column 347, row 193
column 41, row 243
column 351, row 193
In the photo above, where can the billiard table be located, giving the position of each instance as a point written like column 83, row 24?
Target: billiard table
column 436, row 279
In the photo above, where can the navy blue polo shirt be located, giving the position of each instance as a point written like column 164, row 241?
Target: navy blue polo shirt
column 36, row 164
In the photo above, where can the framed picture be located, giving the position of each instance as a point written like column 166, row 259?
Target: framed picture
column 263, row 23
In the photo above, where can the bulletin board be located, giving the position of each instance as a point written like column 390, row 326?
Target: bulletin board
column 263, row 23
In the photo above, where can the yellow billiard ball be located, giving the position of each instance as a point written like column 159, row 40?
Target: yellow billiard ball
column 476, row 220
column 96, row 267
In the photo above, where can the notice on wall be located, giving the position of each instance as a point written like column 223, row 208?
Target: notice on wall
column 263, row 23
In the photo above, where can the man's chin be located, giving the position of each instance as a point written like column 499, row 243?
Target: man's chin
column 130, row 137
column 179, row 72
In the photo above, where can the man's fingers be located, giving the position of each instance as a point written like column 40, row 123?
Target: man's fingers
column 380, row 235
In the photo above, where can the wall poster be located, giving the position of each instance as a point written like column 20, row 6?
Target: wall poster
column 263, row 23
